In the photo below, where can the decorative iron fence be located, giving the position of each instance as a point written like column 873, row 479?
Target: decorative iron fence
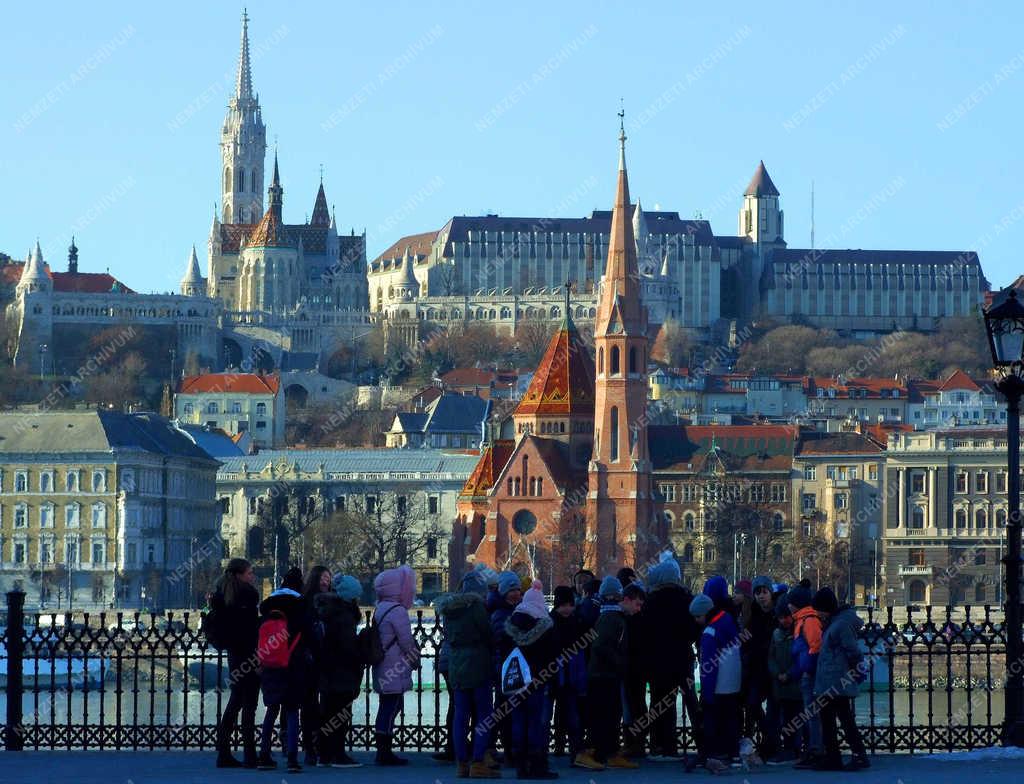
column 149, row 681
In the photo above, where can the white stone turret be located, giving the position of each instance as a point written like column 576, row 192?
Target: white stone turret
column 408, row 288
column 193, row 285
column 33, row 276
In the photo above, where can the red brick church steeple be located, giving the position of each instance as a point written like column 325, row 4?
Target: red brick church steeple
column 619, row 487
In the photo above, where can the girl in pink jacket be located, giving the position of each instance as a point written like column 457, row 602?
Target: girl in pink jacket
column 393, row 676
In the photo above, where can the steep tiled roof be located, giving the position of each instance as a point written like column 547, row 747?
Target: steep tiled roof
column 761, row 184
column 959, row 380
column 229, row 383
column 469, row 377
column 564, row 380
column 420, row 243
column 488, row 468
column 269, row 233
column 321, row 215
column 453, row 413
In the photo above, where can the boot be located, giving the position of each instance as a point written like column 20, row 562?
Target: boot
column 539, row 770
column 462, row 770
column 250, row 758
column 481, row 770
column 226, row 760
column 491, row 760
column 385, row 756
column 522, row 766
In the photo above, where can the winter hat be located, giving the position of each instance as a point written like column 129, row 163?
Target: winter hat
column 799, row 597
column 761, row 582
column 525, row 582
column 611, row 590
column 745, row 588
column 347, row 587
column 490, row 577
column 508, row 581
column 702, row 604
column 564, row 595
column 626, row 575
column 825, row 601
column 716, row 588
column 780, row 588
column 665, row 571
column 474, row 582
column 533, row 602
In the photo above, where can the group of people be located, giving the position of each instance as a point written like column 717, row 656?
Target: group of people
column 765, row 672
column 301, row 648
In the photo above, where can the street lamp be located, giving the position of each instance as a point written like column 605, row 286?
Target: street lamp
column 1004, row 324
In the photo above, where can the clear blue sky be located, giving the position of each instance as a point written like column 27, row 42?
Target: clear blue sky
column 906, row 116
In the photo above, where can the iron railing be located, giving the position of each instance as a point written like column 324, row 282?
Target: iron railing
column 151, row 681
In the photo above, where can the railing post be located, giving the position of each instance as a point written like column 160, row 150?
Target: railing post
column 14, row 733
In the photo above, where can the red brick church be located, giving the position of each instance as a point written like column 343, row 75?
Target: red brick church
column 573, row 486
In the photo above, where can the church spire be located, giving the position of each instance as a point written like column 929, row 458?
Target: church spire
column 275, row 193
column 243, row 82
column 620, row 289
column 321, row 215
column 73, row 256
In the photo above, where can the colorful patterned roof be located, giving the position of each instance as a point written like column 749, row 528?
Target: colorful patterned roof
column 489, row 467
column 269, row 232
column 321, row 215
column 564, row 381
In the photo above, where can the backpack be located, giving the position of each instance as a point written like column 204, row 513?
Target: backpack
column 273, row 650
column 515, row 674
column 368, row 642
column 212, row 624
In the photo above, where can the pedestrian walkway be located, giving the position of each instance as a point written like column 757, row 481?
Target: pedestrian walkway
column 193, row 767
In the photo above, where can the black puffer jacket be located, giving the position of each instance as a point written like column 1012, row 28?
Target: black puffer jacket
column 340, row 666
column 669, row 632
column 535, row 637
column 238, row 621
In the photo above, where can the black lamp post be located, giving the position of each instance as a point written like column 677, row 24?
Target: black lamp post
column 1004, row 323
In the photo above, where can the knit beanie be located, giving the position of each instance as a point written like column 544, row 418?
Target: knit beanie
column 761, row 582
column 474, row 582
column 665, row 571
column 745, row 588
column 702, row 604
column 347, row 587
column 825, row 601
column 508, row 581
column 525, row 582
column 799, row 597
column 564, row 595
column 611, row 590
column 533, row 602
column 490, row 577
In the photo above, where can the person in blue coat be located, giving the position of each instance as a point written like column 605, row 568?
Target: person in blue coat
column 720, row 673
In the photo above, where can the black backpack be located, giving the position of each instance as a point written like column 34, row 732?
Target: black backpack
column 212, row 623
column 368, row 641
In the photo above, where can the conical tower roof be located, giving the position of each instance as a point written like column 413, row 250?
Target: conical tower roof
column 192, row 273
column 321, row 215
column 619, row 307
column 243, row 80
column 564, row 381
column 35, row 268
column 761, row 184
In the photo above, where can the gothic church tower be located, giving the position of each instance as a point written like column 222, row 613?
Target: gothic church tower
column 243, row 145
column 619, row 485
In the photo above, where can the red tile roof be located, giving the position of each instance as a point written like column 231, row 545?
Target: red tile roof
column 813, row 442
column 959, row 380
column 233, row 383
column 489, row 467
column 469, row 377
column 564, row 381
column 874, row 386
column 72, row 282
column 421, row 245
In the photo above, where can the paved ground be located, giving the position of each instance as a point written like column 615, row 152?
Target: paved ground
column 162, row 767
